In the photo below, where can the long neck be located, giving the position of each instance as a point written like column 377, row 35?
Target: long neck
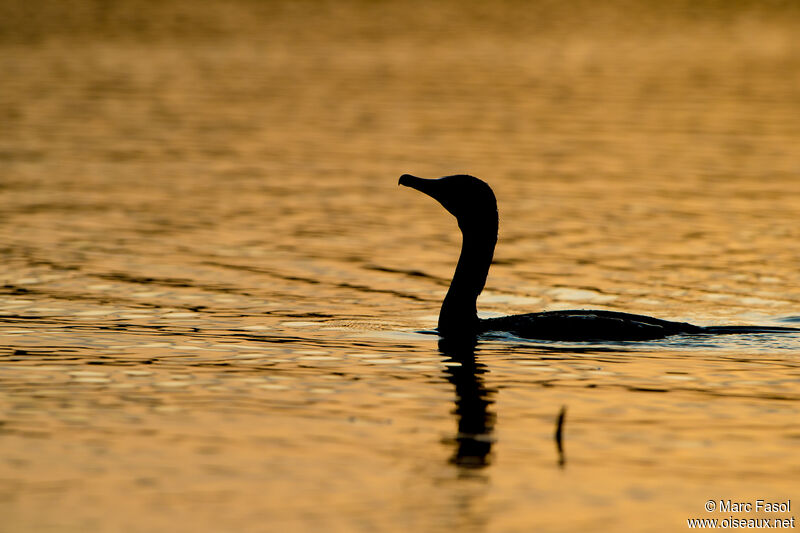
column 459, row 313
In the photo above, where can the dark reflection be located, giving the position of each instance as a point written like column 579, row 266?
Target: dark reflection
column 475, row 437
column 473, row 399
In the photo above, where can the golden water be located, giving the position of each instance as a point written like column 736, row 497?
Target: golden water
column 214, row 296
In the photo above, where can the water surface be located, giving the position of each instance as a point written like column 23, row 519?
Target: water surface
column 216, row 303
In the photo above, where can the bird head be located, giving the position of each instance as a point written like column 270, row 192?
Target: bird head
column 467, row 198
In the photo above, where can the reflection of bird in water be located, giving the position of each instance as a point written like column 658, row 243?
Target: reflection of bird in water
column 473, row 204
column 475, row 436
column 475, row 420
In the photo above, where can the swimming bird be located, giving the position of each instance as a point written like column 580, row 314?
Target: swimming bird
column 473, row 203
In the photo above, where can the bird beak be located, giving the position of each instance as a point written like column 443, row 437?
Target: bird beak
column 421, row 184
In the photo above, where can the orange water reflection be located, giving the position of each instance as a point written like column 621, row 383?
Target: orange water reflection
column 212, row 289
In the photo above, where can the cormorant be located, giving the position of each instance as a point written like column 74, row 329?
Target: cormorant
column 473, row 203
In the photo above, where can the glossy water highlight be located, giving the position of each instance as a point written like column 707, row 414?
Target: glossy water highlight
column 216, row 306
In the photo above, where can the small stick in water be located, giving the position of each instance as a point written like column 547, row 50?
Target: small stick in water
column 559, row 435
